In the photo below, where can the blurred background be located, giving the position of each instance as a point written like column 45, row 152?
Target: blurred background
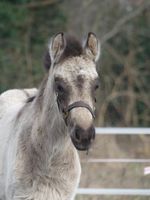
column 123, row 27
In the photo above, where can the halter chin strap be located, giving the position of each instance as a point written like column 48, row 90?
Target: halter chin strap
column 78, row 104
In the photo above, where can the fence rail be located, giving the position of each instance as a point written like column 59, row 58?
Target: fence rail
column 118, row 191
column 123, row 131
column 114, row 191
column 116, row 160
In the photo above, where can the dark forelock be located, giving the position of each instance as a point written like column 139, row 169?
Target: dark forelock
column 73, row 48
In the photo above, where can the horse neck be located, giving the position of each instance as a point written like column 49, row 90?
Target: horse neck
column 49, row 129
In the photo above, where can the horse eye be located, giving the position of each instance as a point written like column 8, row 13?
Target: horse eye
column 60, row 89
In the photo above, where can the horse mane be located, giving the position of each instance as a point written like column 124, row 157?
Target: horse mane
column 73, row 48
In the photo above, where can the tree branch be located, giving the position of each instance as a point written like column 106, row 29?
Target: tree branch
column 116, row 29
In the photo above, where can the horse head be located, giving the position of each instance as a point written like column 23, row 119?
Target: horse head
column 75, row 81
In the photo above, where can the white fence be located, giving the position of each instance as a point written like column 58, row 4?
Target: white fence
column 123, row 131
column 114, row 191
column 118, row 191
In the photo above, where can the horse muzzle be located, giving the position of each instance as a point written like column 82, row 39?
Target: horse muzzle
column 82, row 139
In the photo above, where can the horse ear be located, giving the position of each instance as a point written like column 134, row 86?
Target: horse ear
column 92, row 47
column 56, row 47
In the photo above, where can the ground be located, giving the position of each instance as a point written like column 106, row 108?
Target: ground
column 116, row 175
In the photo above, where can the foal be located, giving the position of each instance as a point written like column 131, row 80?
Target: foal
column 39, row 136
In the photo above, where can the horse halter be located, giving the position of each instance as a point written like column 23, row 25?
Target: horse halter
column 77, row 104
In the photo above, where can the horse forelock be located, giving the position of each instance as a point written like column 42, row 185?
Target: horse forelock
column 73, row 48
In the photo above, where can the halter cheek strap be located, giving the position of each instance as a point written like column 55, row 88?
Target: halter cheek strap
column 78, row 104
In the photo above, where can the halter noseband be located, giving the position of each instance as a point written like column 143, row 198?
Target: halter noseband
column 78, row 104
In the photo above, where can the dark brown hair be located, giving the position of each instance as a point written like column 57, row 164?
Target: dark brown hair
column 73, row 48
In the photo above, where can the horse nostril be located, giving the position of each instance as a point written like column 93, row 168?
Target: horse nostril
column 77, row 133
column 82, row 139
column 81, row 134
column 92, row 132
